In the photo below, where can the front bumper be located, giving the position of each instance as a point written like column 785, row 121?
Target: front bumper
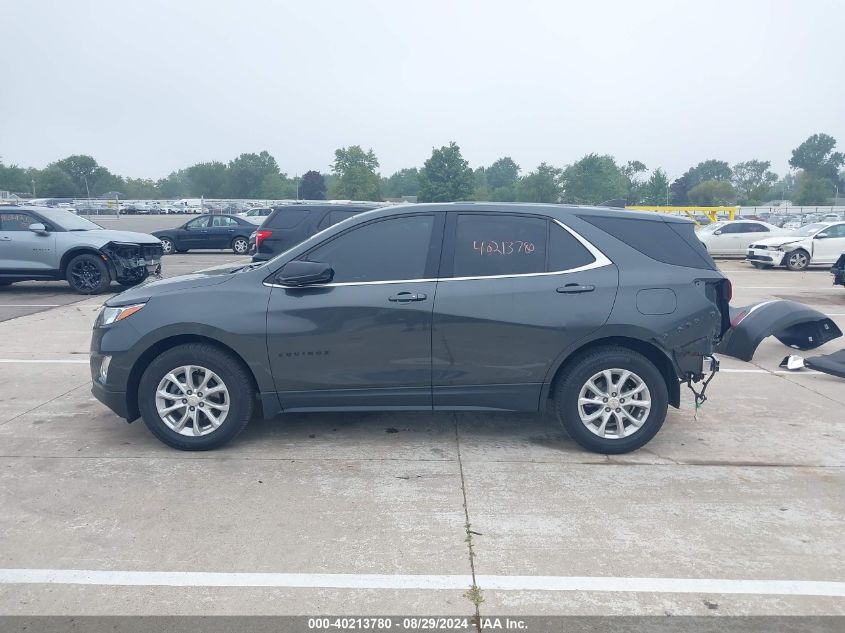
column 132, row 263
column 114, row 400
column 772, row 257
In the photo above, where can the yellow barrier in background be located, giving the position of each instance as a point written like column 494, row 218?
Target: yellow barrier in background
column 711, row 212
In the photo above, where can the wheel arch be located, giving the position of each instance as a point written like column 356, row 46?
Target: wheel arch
column 158, row 348
column 80, row 250
column 649, row 350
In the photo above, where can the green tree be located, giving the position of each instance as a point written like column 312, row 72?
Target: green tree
column 16, row 179
column 812, row 190
column 655, row 190
column 816, row 157
column 207, row 179
column 246, row 173
column 632, row 171
column 139, row 188
column 752, row 180
column 705, row 170
column 356, row 174
column 277, row 187
column 405, row 182
column 176, row 185
column 592, row 180
column 502, row 177
column 712, row 193
column 86, row 175
column 54, row 182
column 480, row 190
column 446, row 176
column 312, row 186
column 541, row 185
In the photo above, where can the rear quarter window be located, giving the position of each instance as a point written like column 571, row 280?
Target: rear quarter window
column 672, row 243
column 287, row 218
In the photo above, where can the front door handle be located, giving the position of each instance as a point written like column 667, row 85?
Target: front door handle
column 406, row 297
column 5, row 238
column 575, row 289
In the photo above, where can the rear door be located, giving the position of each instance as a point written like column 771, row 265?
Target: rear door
column 222, row 231
column 514, row 292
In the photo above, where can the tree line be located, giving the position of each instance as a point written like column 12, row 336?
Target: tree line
column 814, row 179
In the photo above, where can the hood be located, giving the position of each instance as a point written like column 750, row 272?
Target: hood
column 145, row 291
column 130, row 237
column 779, row 240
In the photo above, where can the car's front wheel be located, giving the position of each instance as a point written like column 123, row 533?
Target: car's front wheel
column 240, row 245
column 87, row 274
column 196, row 397
column 798, row 259
column 611, row 400
column 167, row 246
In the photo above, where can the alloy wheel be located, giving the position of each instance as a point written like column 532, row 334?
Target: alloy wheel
column 86, row 275
column 240, row 246
column 192, row 400
column 798, row 260
column 614, row 403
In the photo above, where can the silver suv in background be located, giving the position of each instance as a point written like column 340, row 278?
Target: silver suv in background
column 52, row 244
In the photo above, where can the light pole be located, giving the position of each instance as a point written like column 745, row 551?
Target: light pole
column 33, row 187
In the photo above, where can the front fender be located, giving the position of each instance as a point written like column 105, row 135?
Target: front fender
column 792, row 323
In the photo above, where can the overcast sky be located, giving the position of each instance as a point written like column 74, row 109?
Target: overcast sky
column 150, row 86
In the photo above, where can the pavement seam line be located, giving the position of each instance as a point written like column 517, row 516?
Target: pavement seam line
column 473, row 594
column 61, row 395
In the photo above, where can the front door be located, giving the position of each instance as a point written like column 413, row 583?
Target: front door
column 828, row 249
column 195, row 233
column 23, row 250
column 363, row 340
column 515, row 292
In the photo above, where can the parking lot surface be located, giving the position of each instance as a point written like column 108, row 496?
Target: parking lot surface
column 737, row 508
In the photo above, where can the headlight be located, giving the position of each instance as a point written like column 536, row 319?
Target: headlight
column 113, row 315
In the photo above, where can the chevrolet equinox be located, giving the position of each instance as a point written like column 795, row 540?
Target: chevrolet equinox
column 430, row 307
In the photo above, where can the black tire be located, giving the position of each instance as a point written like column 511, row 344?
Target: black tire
column 584, row 367
column 798, row 259
column 87, row 274
column 200, row 355
column 181, row 250
column 167, row 245
column 240, row 246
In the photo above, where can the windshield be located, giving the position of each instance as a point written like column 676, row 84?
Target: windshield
column 711, row 227
column 68, row 221
column 807, row 230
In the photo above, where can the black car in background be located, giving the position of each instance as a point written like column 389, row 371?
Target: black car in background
column 838, row 271
column 431, row 307
column 290, row 224
column 208, row 231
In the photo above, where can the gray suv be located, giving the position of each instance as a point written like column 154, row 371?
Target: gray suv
column 430, row 307
column 47, row 244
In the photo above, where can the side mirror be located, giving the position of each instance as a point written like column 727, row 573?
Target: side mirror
column 299, row 273
column 821, row 236
column 718, row 232
column 38, row 228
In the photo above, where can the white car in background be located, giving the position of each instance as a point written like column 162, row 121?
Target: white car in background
column 256, row 215
column 733, row 238
column 818, row 243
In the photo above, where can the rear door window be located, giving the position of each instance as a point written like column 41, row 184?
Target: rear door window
column 499, row 244
column 333, row 217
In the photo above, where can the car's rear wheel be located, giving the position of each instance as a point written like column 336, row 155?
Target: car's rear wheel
column 87, row 274
column 798, row 259
column 167, row 246
column 196, row 397
column 611, row 400
column 240, row 245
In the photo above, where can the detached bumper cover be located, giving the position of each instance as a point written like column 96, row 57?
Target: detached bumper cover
column 833, row 364
column 132, row 263
column 793, row 324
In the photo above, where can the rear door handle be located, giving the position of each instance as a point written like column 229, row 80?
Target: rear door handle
column 575, row 289
column 406, row 297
